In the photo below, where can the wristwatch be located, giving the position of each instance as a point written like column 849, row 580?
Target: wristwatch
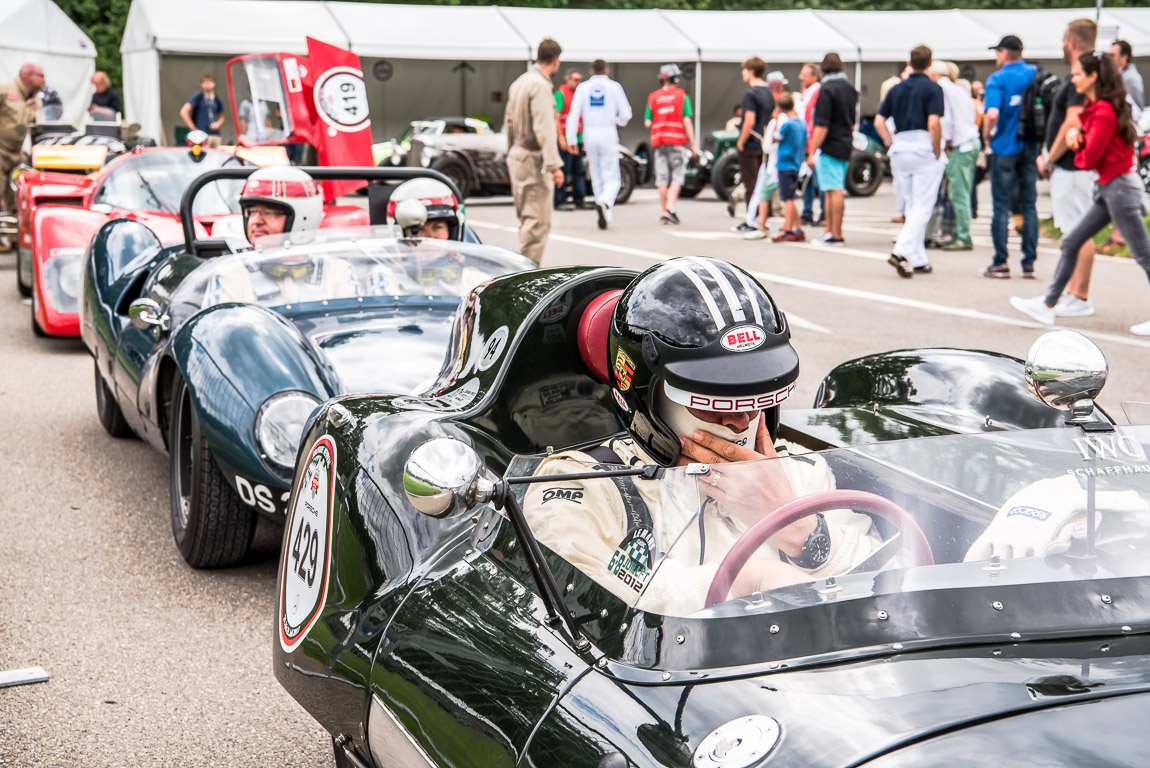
column 816, row 549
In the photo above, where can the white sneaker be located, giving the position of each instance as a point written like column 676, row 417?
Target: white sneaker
column 1142, row 329
column 1072, row 306
column 1037, row 309
column 757, row 234
column 824, row 237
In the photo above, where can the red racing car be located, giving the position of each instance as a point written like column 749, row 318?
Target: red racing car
column 59, row 213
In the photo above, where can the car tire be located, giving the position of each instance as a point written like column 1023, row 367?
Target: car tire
column 628, row 176
column 108, row 409
column 212, row 527
column 37, row 331
column 687, row 193
column 725, row 175
column 643, row 151
column 456, row 170
column 1144, row 172
column 864, row 174
column 24, row 288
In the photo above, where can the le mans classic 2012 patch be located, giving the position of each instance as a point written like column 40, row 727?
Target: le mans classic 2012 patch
column 305, row 563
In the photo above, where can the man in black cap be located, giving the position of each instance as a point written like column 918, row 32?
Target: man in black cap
column 1011, row 157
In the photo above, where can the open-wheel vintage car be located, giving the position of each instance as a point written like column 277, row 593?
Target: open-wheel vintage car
column 217, row 352
column 1001, row 614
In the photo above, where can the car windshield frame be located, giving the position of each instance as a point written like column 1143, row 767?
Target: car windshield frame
column 353, row 264
column 975, row 479
column 155, row 180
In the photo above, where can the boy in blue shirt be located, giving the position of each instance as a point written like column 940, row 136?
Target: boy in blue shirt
column 792, row 142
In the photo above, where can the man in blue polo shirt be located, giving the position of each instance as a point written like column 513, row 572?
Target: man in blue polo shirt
column 1011, row 157
column 916, row 106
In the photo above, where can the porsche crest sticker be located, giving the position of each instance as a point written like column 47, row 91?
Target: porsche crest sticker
column 303, row 581
column 624, row 370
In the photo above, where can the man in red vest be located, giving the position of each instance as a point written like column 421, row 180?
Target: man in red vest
column 572, row 155
column 672, row 138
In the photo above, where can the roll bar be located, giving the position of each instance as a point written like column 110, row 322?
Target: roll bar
column 369, row 173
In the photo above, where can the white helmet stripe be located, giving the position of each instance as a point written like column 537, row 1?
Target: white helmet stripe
column 750, row 296
column 716, row 315
column 725, row 286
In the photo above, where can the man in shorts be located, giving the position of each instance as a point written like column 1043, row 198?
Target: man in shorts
column 672, row 138
column 831, row 142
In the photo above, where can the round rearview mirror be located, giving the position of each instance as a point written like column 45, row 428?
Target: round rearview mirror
column 1066, row 370
column 445, row 476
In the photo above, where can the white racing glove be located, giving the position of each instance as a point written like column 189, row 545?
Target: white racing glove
column 1044, row 517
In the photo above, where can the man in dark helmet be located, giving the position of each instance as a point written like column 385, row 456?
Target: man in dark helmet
column 700, row 361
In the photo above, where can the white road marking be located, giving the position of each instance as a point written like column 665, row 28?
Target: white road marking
column 879, row 298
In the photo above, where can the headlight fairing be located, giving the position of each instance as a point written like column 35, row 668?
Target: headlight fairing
column 62, row 279
column 279, row 426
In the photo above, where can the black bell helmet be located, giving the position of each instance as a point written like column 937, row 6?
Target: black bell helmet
column 710, row 336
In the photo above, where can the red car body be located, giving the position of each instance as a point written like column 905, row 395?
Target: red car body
column 59, row 213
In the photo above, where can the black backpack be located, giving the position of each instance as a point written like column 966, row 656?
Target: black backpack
column 1037, row 101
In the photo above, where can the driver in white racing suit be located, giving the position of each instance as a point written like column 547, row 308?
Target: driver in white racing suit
column 274, row 201
column 699, row 360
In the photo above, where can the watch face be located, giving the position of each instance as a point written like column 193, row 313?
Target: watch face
column 818, row 547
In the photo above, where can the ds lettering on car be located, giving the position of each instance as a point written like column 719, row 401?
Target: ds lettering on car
column 309, row 529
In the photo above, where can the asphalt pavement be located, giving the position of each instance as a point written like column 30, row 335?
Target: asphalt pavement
column 153, row 663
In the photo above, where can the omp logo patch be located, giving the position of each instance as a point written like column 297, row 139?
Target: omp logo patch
column 567, row 494
column 1041, row 515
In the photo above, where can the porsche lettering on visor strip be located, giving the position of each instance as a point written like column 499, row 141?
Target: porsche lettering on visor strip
column 728, row 404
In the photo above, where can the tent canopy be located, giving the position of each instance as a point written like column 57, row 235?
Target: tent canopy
column 430, row 32
column 795, row 37
column 617, row 36
column 36, row 30
column 1041, row 30
column 890, row 35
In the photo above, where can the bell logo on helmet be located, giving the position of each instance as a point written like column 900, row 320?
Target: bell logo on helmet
column 743, row 338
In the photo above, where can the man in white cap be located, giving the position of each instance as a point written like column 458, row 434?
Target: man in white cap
column 672, row 138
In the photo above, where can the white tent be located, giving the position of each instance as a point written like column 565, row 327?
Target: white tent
column 890, row 35
column 1041, row 30
column 458, row 33
column 36, row 30
column 617, row 36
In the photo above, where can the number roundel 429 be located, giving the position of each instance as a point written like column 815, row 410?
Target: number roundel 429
column 303, row 582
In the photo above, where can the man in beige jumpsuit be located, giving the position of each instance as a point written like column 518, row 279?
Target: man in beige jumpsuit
column 533, row 149
column 19, row 101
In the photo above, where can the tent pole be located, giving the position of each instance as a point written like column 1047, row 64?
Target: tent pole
column 858, row 89
column 699, row 100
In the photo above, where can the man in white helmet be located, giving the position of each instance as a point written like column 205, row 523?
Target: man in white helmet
column 445, row 217
column 277, row 201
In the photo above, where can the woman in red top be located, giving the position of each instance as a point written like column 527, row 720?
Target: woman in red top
column 1105, row 143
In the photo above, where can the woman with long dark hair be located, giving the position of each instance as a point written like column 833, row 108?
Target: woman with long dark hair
column 1105, row 143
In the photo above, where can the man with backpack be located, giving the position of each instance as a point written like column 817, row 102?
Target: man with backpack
column 204, row 111
column 1014, row 112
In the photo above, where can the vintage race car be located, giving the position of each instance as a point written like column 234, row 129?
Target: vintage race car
column 217, row 352
column 477, row 161
column 421, row 621
column 394, row 151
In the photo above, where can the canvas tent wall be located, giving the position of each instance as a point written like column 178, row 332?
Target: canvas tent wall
column 37, row 30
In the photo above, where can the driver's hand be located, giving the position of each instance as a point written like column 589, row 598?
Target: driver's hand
column 1044, row 517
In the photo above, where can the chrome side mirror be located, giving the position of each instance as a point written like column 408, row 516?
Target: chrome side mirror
column 445, row 476
column 145, row 314
column 1066, row 370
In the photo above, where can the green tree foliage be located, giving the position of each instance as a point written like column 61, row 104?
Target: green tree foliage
column 102, row 21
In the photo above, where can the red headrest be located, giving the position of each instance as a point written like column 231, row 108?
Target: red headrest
column 594, row 330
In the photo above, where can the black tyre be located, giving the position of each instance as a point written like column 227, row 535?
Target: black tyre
column 108, row 409
column 211, row 525
column 864, row 174
column 22, row 285
column 456, row 170
column 1144, row 172
column 725, row 175
column 643, row 151
column 692, row 191
column 627, row 178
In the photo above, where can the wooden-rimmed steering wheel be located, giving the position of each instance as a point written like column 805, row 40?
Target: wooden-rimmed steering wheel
column 780, row 518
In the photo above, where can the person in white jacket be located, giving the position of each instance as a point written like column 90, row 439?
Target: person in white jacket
column 603, row 107
column 699, row 360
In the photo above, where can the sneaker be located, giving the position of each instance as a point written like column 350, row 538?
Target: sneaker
column 838, row 242
column 755, row 234
column 602, row 211
column 901, row 265
column 782, row 237
column 923, row 269
column 1000, row 272
column 1028, row 274
column 821, row 223
column 672, row 217
column 743, row 227
column 1142, row 329
column 798, row 236
column 824, row 237
column 664, row 218
column 958, row 245
column 565, row 207
column 806, row 220
column 586, row 205
column 730, row 210
column 1072, row 306
column 1035, row 308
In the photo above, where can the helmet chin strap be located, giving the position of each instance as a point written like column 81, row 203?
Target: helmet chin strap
column 680, row 419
